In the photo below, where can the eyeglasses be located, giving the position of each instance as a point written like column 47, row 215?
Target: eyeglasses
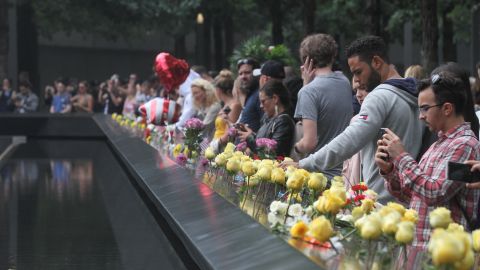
column 424, row 109
column 246, row 61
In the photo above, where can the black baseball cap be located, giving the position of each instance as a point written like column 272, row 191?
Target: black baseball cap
column 271, row 68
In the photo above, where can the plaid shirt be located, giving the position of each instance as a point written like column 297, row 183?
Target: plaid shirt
column 425, row 187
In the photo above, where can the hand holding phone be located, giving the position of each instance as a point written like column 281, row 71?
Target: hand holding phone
column 461, row 172
column 240, row 126
column 382, row 132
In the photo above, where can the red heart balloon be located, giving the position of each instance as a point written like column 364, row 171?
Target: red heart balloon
column 171, row 72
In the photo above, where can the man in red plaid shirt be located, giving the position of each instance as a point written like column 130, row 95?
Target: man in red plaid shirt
column 424, row 185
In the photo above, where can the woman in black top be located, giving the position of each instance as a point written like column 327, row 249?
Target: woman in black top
column 276, row 123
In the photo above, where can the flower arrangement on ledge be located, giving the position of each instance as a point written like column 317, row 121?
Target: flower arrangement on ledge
column 310, row 209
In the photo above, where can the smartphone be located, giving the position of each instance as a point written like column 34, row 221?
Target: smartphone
column 461, row 172
column 240, row 127
column 382, row 131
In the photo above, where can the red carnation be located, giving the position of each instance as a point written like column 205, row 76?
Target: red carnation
column 280, row 158
column 359, row 197
column 359, row 187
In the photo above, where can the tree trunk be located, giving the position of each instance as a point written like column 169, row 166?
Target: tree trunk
column 218, row 43
column 449, row 48
column 429, row 34
column 3, row 38
column 180, row 46
column 277, row 19
column 207, row 36
column 309, row 7
column 28, row 44
column 229, row 37
column 375, row 17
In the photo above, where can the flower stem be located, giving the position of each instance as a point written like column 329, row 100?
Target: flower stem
column 246, row 192
column 288, row 207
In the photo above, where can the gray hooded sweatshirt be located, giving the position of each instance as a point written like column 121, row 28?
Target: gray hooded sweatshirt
column 392, row 105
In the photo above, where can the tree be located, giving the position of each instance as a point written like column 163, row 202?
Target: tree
column 3, row 38
column 429, row 34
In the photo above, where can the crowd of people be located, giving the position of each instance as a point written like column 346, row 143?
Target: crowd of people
column 396, row 133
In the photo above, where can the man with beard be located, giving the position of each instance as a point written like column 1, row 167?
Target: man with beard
column 251, row 113
column 391, row 104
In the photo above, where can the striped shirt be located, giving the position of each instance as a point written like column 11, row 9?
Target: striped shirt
column 424, row 185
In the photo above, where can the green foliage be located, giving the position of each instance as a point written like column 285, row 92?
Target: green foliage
column 114, row 18
column 256, row 48
column 461, row 17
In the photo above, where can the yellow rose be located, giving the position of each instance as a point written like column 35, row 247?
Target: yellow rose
column 390, row 223
column 371, row 229
column 304, row 173
column 455, row 227
column 267, row 162
column 367, row 205
column 278, row 176
column 114, row 115
column 445, row 248
column 230, row 147
column 287, row 159
column 295, row 182
column 289, row 171
column 476, row 240
column 264, row 173
column 317, row 181
column 299, row 230
column 410, row 215
column 405, row 232
column 339, row 190
column 384, row 211
column 320, row 204
column 248, row 168
column 466, row 263
column 209, row 153
column 321, row 229
column 333, row 203
column 186, row 151
column 220, row 160
column 440, row 217
column 253, row 181
column 246, row 158
column 396, row 206
column 357, row 213
column 233, row 165
column 295, row 196
column 371, row 194
column 338, row 180
column 177, row 150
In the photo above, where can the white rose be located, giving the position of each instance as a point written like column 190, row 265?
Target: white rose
column 295, row 210
column 282, row 208
column 274, row 206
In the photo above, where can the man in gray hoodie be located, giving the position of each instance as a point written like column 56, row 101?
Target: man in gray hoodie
column 392, row 104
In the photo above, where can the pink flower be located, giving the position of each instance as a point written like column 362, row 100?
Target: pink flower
column 194, row 123
column 181, row 159
column 203, row 162
column 266, row 143
column 232, row 132
column 241, row 146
